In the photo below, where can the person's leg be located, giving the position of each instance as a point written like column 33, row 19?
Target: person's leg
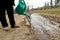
column 11, row 15
column 3, row 17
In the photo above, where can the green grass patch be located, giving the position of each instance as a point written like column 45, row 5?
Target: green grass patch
column 49, row 12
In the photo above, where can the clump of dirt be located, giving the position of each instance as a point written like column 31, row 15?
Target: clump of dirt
column 52, row 17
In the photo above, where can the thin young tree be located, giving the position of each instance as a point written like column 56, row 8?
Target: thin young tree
column 48, row 5
column 51, row 4
column 45, row 5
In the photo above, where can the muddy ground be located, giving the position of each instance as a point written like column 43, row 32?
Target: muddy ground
column 23, row 32
column 54, row 19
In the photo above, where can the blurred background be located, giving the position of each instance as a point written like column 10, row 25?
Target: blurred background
column 40, row 3
column 42, row 6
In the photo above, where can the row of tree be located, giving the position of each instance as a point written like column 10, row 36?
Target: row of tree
column 48, row 5
column 52, row 4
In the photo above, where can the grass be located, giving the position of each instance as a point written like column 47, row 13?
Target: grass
column 49, row 11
